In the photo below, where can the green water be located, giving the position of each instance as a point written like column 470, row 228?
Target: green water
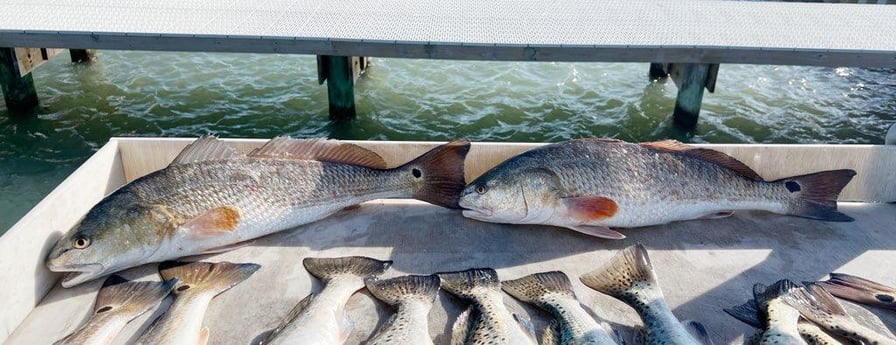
column 261, row 96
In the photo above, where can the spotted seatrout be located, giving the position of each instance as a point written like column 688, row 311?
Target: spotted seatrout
column 781, row 321
column 197, row 283
column 487, row 320
column 413, row 296
column 629, row 277
column 212, row 198
column 118, row 302
column 590, row 185
column 861, row 290
column 817, row 305
column 552, row 291
column 321, row 319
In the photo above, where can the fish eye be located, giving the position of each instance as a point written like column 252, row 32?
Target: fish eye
column 80, row 242
column 481, row 189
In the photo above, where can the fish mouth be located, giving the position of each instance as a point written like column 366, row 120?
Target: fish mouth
column 477, row 214
column 78, row 274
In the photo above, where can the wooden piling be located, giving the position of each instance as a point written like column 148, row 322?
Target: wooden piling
column 691, row 79
column 18, row 90
column 82, row 55
column 340, row 73
column 657, row 71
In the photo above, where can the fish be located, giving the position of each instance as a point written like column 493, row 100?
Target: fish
column 212, row 198
column 118, row 302
column 197, row 283
column 749, row 313
column 321, row 319
column 593, row 185
column 630, row 278
column 413, row 295
column 552, row 291
column 487, row 320
column 781, row 320
column 817, row 305
column 861, row 290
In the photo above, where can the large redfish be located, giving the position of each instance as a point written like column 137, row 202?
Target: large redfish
column 591, row 185
column 213, row 197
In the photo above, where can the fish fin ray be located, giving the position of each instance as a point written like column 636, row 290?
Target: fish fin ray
column 319, row 149
column 590, row 208
column 532, row 288
column 462, row 326
column 551, row 334
column 130, row 298
column 815, row 195
column 526, row 325
column 697, row 331
column 395, row 290
column 598, row 231
column 747, row 313
column 860, row 290
column 289, row 317
column 213, row 222
column 358, row 266
column 709, row 155
column 205, row 276
column 463, row 283
column 763, row 294
column 629, row 266
column 206, row 148
column 442, row 171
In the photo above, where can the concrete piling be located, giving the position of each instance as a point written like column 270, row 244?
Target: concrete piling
column 18, row 91
column 82, row 55
column 691, row 79
column 340, row 74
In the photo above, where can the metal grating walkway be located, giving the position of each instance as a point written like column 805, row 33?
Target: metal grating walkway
column 556, row 30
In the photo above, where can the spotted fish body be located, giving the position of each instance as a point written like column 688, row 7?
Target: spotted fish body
column 553, row 292
column 589, row 185
column 487, row 320
column 321, row 319
column 413, row 297
column 629, row 277
column 817, row 305
column 118, row 302
column 212, row 198
column 781, row 320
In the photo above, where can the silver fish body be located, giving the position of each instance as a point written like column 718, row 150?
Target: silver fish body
column 211, row 198
column 589, row 185
column 413, row 296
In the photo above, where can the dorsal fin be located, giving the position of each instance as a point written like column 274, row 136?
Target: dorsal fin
column 206, row 148
column 319, row 149
column 708, row 155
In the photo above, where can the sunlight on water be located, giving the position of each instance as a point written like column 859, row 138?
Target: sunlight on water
column 261, row 96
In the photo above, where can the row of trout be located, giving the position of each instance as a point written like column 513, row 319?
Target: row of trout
column 212, row 198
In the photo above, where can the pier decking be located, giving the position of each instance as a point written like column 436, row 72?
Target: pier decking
column 681, row 32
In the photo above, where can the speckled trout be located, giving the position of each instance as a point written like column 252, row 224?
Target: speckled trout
column 629, row 277
column 321, row 319
column 861, row 290
column 591, row 185
column 487, row 320
column 552, row 291
column 197, row 283
column 212, row 198
column 413, row 296
column 817, row 305
column 118, row 302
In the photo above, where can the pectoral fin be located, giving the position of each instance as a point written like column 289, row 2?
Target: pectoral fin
column 590, row 208
column 213, row 222
column 598, row 231
column 203, row 336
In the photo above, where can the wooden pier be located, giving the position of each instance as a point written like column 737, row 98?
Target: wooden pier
column 693, row 36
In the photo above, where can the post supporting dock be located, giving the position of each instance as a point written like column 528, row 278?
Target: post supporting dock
column 82, row 55
column 691, row 80
column 340, row 74
column 18, row 90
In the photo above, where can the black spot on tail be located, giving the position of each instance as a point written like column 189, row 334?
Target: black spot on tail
column 792, row 186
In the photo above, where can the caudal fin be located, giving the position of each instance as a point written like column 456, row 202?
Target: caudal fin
column 625, row 270
column 763, row 294
column 362, row 267
column 440, row 173
column 747, row 313
column 197, row 277
column 130, row 298
column 396, row 290
column 465, row 283
column 815, row 195
column 533, row 288
column 860, row 290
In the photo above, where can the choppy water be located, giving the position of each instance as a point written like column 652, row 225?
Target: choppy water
column 247, row 95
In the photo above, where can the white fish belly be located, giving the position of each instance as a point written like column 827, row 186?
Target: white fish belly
column 662, row 213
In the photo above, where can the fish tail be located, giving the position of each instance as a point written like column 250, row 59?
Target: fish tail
column 622, row 273
column 463, row 283
column 363, row 267
column 860, row 290
column 130, row 297
column 442, row 173
column 206, row 276
column 763, row 294
column 395, row 290
column 698, row 331
column 813, row 302
column 532, row 288
column 747, row 313
column 815, row 195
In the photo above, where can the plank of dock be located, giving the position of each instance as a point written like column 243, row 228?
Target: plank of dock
column 685, row 31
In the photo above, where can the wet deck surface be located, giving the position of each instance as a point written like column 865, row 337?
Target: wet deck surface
column 703, row 266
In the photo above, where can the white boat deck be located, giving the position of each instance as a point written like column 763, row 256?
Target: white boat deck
column 557, row 30
column 703, row 266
